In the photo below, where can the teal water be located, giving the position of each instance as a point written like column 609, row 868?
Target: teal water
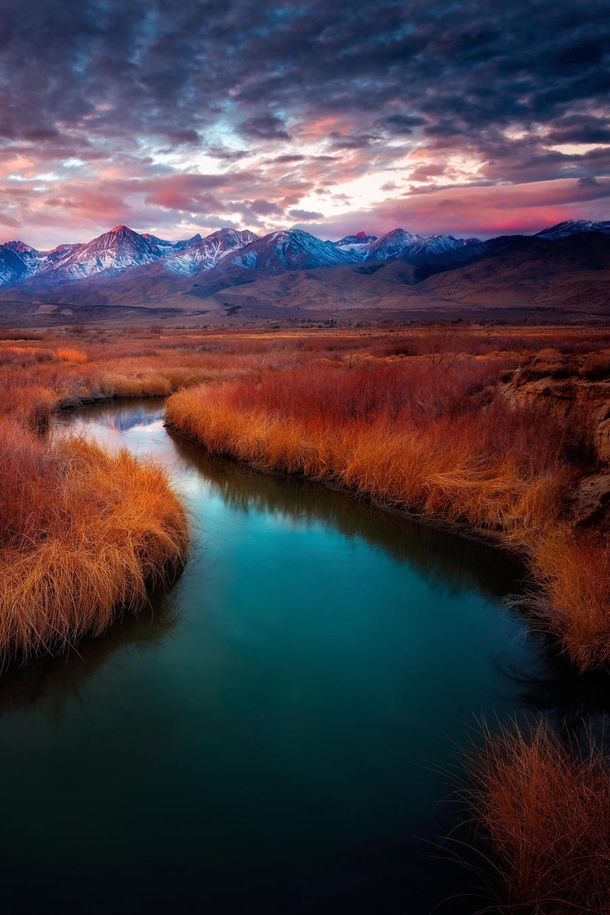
column 275, row 734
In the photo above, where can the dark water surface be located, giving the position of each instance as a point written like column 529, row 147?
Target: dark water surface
column 275, row 736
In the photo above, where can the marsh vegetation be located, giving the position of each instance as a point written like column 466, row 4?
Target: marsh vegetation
column 494, row 432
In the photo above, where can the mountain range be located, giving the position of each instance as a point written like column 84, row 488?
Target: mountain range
column 292, row 273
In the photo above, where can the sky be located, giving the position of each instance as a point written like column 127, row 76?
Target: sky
column 471, row 118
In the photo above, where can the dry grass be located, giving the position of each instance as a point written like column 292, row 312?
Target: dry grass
column 414, row 420
column 69, row 354
column 83, row 535
column 545, row 812
column 574, row 601
column 435, row 437
column 410, row 419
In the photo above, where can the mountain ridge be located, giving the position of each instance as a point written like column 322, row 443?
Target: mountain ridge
column 291, row 273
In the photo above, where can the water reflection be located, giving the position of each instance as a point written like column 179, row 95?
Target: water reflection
column 576, row 704
column 447, row 561
column 59, row 680
column 547, row 683
column 287, row 716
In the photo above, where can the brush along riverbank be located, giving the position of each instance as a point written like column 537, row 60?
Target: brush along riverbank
column 437, row 440
column 84, row 537
column 442, row 440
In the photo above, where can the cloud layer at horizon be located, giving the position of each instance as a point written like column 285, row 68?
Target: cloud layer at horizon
column 467, row 118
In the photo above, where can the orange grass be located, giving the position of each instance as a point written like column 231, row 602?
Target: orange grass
column 83, row 535
column 69, row 354
column 545, row 811
column 410, row 419
column 432, row 437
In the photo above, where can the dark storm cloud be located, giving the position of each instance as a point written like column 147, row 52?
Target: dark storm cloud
column 108, row 68
column 264, row 127
column 580, row 129
column 511, row 85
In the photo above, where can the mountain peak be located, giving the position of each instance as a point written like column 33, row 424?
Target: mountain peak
column 20, row 246
column 573, row 227
column 360, row 238
column 290, row 249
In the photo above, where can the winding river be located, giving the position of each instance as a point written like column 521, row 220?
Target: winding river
column 277, row 734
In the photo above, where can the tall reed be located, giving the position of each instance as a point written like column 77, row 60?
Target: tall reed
column 544, row 810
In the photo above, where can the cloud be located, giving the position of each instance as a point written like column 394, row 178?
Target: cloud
column 305, row 215
column 265, row 207
column 291, row 100
column 264, row 127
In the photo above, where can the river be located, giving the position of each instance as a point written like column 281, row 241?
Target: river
column 278, row 732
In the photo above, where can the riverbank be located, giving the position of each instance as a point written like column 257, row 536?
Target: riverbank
column 440, row 439
column 474, row 428
column 85, row 536
column 463, row 441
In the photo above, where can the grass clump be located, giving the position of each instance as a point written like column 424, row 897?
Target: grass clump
column 544, row 809
column 83, row 535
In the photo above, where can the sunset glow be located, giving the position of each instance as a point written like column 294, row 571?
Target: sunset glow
column 453, row 118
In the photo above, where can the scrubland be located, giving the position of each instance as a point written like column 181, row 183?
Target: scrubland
column 492, row 431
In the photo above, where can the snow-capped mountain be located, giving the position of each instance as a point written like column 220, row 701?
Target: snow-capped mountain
column 115, row 252
column 403, row 245
column 574, row 227
column 229, row 256
column 12, row 267
column 30, row 256
column 439, row 244
column 291, row 250
column 108, row 254
column 391, row 245
column 356, row 244
column 205, row 253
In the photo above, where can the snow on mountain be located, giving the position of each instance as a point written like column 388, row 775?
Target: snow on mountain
column 357, row 244
column 168, row 247
column 30, row 256
column 205, row 253
column 391, row 245
column 108, row 254
column 293, row 249
column 403, row 245
column 12, row 267
column 234, row 252
column 439, row 244
column 574, row 227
